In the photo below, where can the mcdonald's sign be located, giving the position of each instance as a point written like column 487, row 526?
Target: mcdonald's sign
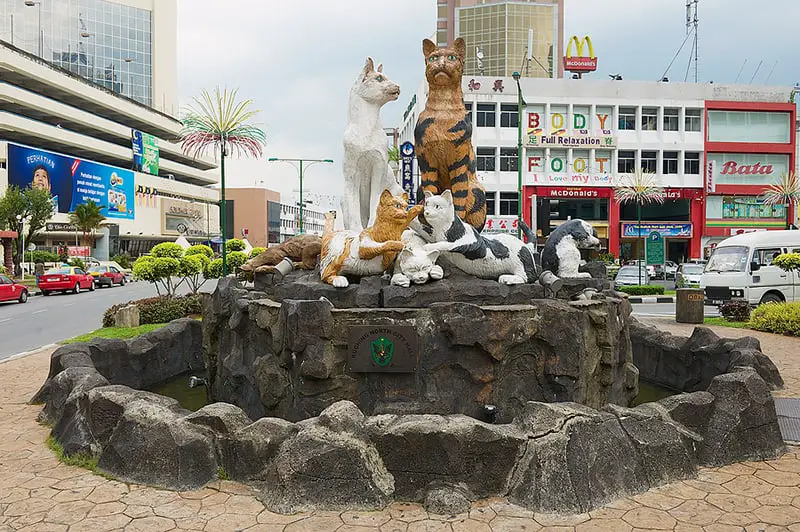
column 580, row 62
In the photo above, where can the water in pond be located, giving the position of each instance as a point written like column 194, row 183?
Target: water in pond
column 178, row 388
column 649, row 392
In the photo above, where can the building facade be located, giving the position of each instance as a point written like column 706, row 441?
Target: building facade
column 80, row 141
column 127, row 46
column 583, row 137
column 497, row 34
column 256, row 215
column 313, row 220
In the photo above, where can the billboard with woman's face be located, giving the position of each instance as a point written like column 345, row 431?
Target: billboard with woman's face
column 72, row 181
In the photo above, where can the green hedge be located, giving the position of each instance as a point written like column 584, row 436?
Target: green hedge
column 161, row 309
column 41, row 256
column 643, row 290
column 779, row 318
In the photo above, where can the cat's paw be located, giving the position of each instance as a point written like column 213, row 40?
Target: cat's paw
column 399, row 279
column 584, row 275
column 510, row 279
column 340, row 282
column 394, row 245
column 436, row 272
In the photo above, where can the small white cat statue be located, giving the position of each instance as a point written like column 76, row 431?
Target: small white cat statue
column 414, row 264
column 502, row 257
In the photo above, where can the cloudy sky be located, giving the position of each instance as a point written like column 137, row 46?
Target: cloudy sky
column 297, row 60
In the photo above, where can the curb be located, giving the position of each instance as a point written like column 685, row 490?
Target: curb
column 652, row 299
column 27, row 353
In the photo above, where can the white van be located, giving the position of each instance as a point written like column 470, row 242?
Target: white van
column 741, row 268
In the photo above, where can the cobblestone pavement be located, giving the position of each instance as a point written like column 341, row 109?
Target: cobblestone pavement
column 39, row 493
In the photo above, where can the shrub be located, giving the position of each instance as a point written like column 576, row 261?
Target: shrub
column 78, row 263
column 200, row 249
column 779, row 318
column 214, row 269
column 735, row 310
column 642, row 290
column 123, row 259
column 3, row 270
column 167, row 250
column 787, row 261
column 40, row 257
column 162, row 309
column 235, row 261
column 608, row 258
column 234, row 244
column 256, row 252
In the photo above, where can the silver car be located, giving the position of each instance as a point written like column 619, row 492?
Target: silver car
column 631, row 276
column 689, row 275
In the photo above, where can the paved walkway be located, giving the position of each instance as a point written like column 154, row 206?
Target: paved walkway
column 39, row 493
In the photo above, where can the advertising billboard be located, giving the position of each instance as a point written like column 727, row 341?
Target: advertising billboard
column 72, row 181
column 145, row 152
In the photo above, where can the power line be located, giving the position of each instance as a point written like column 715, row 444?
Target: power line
column 675, row 56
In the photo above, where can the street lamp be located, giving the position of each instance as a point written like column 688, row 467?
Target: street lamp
column 21, row 221
column 31, row 3
column 520, row 104
column 301, row 161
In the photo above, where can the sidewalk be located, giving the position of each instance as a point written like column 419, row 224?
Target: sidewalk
column 39, row 493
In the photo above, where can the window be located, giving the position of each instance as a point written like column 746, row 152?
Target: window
column 670, row 163
column 508, row 115
column 649, row 161
column 692, row 120
column 485, row 158
column 764, row 257
column 691, row 163
column 649, row 118
column 486, row 115
column 508, row 159
column 626, row 162
column 490, row 203
column 4, row 280
column 627, row 118
column 748, row 126
column 508, row 203
column 468, row 107
column 671, row 119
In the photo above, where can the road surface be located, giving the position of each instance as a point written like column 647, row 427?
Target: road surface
column 665, row 309
column 47, row 320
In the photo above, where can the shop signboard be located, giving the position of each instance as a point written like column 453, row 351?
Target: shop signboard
column 666, row 229
column 744, row 169
column 184, row 218
column 407, row 160
column 654, row 248
column 72, row 181
column 78, row 251
column 501, row 224
column 604, row 142
column 145, row 152
column 580, row 63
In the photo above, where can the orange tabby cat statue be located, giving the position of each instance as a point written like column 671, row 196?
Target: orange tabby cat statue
column 371, row 251
column 443, row 136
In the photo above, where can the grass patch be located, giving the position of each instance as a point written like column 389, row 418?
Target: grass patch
column 669, row 292
column 85, row 461
column 222, row 474
column 115, row 332
column 722, row 322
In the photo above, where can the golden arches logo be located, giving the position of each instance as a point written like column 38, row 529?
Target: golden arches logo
column 580, row 62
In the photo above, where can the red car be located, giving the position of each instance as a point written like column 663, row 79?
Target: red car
column 65, row 278
column 11, row 291
column 107, row 276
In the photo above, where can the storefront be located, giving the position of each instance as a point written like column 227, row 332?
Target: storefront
column 749, row 146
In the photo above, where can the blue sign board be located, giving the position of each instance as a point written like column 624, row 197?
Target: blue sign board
column 666, row 229
column 72, row 181
column 407, row 158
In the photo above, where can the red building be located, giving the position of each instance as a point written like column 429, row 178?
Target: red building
column 748, row 146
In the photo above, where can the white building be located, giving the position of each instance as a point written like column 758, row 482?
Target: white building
column 313, row 220
column 81, row 133
column 580, row 135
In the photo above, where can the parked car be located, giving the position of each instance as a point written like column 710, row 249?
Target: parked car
column 12, row 291
column 651, row 270
column 689, row 275
column 630, row 276
column 740, row 268
column 65, row 278
column 671, row 269
column 127, row 271
column 107, row 276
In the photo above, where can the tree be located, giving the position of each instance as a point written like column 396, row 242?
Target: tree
column 87, row 217
column 786, row 192
column 394, row 159
column 168, row 266
column 641, row 188
column 34, row 206
column 218, row 123
column 234, row 244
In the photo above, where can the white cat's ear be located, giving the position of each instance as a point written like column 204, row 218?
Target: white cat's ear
column 428, row 194
column 447, row 196
column 433, row 255
column 369, row 68
column 380, row 67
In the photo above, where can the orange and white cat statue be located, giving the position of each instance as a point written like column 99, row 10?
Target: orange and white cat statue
column 371, row 251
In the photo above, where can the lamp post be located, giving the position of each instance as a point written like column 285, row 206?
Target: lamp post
column 301, row 161
column 520, row 104
column 21, row 221
column 31, row 3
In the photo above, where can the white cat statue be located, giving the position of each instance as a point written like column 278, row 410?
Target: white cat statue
column 414, row 264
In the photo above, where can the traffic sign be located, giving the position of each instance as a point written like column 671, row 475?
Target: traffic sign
column 654, row 248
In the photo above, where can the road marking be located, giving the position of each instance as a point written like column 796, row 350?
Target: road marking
column 5, row 320
column 40, row 311
column 69, row 304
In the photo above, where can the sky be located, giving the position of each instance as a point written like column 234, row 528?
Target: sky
column 296, row 60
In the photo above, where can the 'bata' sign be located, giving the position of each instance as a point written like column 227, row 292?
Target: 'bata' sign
column 580, row 63
column 731, row 168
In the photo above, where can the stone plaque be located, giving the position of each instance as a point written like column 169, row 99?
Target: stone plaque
column 382, row 349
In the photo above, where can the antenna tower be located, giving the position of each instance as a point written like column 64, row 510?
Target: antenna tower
column 691, row 26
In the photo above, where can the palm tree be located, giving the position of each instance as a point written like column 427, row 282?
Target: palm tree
column 786, row 192
column 87, row 217
column 394, row 158
column 219, row 123
column 641, row 188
